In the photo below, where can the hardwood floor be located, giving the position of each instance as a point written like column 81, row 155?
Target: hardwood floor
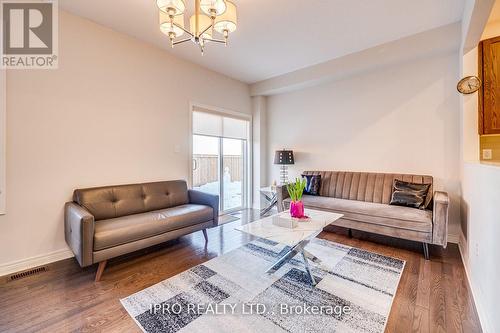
column 433, row 296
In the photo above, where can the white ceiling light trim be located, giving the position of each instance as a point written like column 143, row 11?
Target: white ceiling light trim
column 220, row 17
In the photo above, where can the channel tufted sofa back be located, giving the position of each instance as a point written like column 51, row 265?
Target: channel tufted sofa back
column 365, row 186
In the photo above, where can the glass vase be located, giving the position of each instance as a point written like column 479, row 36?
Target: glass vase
column 297, row 209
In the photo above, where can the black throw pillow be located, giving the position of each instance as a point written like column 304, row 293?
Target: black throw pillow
column 313, row 183
column 409, row 194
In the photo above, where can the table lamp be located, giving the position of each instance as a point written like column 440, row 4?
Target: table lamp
column 283, row 158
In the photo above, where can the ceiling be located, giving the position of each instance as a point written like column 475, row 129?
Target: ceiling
column 275, row 37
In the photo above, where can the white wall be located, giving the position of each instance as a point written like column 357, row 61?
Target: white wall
column 3, row 113
column 112, row 113
column 259, row 112
column 481, row 195
column 401, row 118
column 480, row 184
column 492, row 29
column 470, row 108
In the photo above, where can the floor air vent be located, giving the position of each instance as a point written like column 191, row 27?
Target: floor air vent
column 25, row 274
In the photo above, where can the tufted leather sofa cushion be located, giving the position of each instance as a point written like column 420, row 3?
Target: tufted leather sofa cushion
column 113, row 232
column 115, row 201
column 365, row 186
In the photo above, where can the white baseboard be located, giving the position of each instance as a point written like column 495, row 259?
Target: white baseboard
column 464, row 251
column 453, row 238
column 24, row 264
column 464, row 254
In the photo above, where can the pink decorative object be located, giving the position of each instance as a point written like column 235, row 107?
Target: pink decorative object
column 297, row 209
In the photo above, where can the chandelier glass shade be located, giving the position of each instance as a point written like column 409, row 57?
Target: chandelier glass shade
column 227, row 21
column 210, row 17
column 176, row 7
column 213, row 7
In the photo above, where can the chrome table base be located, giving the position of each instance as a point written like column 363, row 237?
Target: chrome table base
column 306, row 256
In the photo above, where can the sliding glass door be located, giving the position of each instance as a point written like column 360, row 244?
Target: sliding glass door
column 233, row 171
column 206, row 164
column 220, row 158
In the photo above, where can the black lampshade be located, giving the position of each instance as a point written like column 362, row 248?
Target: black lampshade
column 283, row 157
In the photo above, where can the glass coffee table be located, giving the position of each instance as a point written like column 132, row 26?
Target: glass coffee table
column 295, row 233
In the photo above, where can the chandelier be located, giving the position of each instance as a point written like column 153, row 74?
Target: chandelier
column 210, row 16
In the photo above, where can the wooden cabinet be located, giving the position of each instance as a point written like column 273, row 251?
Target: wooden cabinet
column 489, row 94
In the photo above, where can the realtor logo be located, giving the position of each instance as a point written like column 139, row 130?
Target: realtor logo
column 29, row 34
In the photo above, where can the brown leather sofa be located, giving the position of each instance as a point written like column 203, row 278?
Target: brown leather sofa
column 363, row 198
column 105, row 222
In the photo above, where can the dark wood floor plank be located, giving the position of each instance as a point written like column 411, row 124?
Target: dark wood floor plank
column 453, row 302
column 465, row 304
column 437, row 301
column 407, row 295
column 424, row 283
column 420, row 323
column 433, row 296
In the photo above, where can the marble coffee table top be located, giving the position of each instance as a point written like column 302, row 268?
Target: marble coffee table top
column 284, row 229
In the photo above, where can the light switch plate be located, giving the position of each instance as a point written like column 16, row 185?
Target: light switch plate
column 177, row 149
column 487, row 154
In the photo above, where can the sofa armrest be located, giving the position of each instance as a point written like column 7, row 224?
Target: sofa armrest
column 79, row 232
column 281, row 194
column 202, row 198
column 440, row 218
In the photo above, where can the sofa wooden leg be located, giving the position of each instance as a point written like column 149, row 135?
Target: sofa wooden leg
column 349, row 233
column 426, row 251
column 100, row 270
column 205, row 235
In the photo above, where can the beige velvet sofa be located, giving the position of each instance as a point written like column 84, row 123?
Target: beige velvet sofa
column 363, row 198
column 106, row 222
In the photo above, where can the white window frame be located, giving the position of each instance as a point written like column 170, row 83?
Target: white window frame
column 248, row 184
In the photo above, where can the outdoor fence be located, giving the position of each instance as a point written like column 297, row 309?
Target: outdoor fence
column 206, row 168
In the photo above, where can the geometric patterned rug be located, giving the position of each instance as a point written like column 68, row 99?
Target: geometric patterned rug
column 232, row 293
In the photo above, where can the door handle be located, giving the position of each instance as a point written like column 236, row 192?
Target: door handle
column 195, row 164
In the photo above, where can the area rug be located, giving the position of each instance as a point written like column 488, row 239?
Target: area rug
column 232, row 293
